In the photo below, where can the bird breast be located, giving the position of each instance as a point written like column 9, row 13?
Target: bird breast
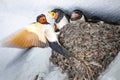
column 82, row 19
column 49, row 33
column 62, row 22
column 38, row 29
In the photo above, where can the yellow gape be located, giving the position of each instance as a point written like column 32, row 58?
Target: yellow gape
column 52, row 14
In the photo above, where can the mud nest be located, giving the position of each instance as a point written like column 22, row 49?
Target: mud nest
column 95, row 44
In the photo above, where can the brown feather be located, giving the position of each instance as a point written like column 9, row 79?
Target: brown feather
column 27, row 39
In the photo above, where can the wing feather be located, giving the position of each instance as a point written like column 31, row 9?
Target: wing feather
column 27, row 38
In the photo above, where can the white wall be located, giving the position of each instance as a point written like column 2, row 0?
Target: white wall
column 15, row 14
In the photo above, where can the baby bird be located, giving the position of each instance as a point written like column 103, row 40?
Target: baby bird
column 77, row 15
column 60, row 17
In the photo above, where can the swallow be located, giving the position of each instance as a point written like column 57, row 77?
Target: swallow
column 60, row 17
column 77, row 15
column 38, row 34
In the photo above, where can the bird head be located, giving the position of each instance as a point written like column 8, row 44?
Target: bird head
column 56, row 14
column 76, row 14
column 41, row 19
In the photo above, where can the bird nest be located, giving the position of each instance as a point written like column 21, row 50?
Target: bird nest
column 94, row 44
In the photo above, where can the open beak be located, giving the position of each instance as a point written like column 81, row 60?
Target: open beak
column 52, row 14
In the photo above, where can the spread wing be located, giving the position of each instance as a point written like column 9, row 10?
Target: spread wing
column 26, row 38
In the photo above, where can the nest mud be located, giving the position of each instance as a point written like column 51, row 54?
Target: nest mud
column 95, row 44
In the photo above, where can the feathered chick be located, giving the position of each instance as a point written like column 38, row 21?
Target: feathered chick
column 77, row 15
column 60, row 17
column 38, row 34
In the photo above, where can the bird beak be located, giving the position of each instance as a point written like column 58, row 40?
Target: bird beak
column 52, row 14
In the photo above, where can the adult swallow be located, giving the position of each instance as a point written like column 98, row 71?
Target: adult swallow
column 38, row 34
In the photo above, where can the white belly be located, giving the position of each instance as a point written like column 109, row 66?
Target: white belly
column 82, row 19
column 62, row 23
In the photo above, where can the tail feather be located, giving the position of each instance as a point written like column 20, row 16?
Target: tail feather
column 67, row 53
column 56, row 47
